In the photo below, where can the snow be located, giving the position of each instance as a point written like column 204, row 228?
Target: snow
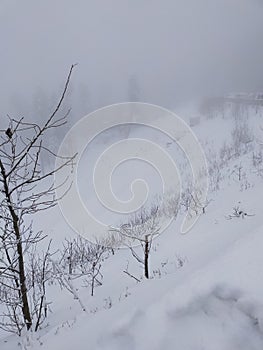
column 207, row 290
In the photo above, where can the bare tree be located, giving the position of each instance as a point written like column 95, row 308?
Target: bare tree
column 191, row 200
column 133, row 89
column 82, row 259
column 140, row 230
column 25, row 191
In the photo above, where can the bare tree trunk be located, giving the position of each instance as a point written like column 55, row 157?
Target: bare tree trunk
column 70, row 260
column 146, row 257
column 93, row 279
column 19, row 249
column 22, row 279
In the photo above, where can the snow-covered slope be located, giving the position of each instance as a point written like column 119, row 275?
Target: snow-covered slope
column 205, row 290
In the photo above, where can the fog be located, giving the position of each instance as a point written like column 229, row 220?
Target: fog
column 168, row 52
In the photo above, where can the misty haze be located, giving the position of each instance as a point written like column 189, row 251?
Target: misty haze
column 131, row 174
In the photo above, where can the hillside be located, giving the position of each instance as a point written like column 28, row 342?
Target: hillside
column 205, row 289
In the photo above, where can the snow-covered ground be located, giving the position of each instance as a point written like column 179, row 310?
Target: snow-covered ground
column 205, row 290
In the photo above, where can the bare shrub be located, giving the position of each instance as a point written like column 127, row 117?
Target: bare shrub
column 82, row 259
column 242, row 138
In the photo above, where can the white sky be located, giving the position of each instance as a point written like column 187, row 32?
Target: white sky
column 178, row 49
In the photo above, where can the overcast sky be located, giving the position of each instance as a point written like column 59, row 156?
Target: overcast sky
column 177, row 49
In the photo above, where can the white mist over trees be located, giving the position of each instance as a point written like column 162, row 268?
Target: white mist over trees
column 177, row 50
